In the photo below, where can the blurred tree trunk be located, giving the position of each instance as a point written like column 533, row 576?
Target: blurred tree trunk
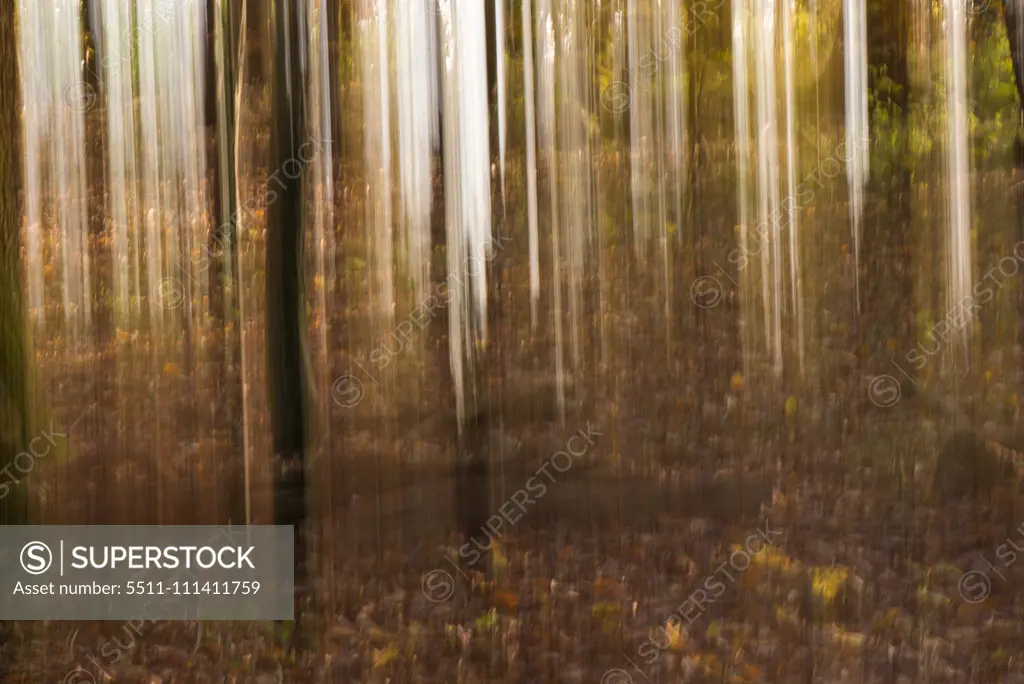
column 15, row 406
column 222, row 81
column 1014, row 29
column 490, row 17
column 887, row 280
column 226, row 28
column 288, row 378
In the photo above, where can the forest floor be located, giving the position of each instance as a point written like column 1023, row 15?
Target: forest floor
column 862, row 580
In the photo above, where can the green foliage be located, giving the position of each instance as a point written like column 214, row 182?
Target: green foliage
column 908, row 141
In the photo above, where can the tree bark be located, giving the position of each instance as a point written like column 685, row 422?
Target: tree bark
column 1014, row 16
column 12, row 323
column 226, row 28
column 14, row 385
column 285, row 325
column 888, row 283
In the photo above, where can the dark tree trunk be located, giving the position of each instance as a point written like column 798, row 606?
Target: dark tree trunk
column 226, row 29
column 471, row 460
column 222, row 82
column 210, row 53
column 887, row 283
column 14, row 406
column 490, row 18
column 95, row 50
column 335, row 42
column 1014, row 28
column 12, row 341
column 285, row 324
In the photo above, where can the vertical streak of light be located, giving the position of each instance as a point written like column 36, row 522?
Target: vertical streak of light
column 741, row 95
column 413, row 88
column 499, row 29
column 767, row 164
column 547, row 56
column 531, row 160
column 247, row 441
column 36, row 96
column 148, row 117
column 792, row 160
column 373, row 51
column 959, row 222
column 467, row 184
column 675, row 103
column 855, row 57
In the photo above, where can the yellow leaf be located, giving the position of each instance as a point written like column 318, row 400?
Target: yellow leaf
column 170, row 368
column 829, row 581
column 848, row 640
column 885, row 622
column 487, row 622
column 774, row 559
column 499, row 561
column 791, row 407
column 737, row 382
column 714, row 630
column 676, row 637
column 384, row 656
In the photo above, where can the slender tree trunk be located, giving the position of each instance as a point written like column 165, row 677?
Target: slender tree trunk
column 1014, row 29
column 887, row 283
column 227, row 15
column 14, row 381
column 492, row 71
column 1014, row 16
column 286, row 364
